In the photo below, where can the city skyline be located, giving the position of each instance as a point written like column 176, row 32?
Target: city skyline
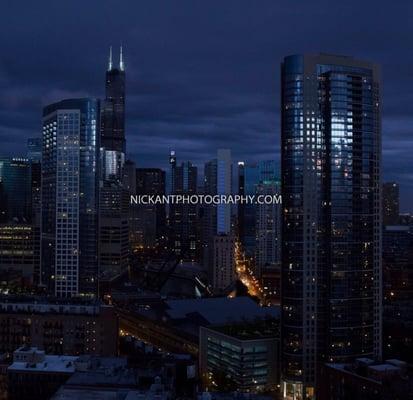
column 204, row 79
column 206, row 200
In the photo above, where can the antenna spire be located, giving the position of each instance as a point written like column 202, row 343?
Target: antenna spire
column 121, row 63
column 110, row 64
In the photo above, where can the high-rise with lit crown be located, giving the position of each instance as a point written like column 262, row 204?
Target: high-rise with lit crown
column 331, row 255
column 113, row 110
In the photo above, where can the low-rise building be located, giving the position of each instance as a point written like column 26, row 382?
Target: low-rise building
column 240, row 357
column 35, row 375
column 58, row 327
column 173, row 325
column 366, row 379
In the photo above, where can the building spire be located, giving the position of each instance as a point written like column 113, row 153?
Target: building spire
column 121, row 63
column 110, row 64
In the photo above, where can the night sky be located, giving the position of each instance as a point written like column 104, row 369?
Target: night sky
column 200, row 74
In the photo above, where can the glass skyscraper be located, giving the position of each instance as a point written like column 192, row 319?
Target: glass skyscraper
column 69, row 264
column 15, row 179
column 331, row 256
column 250, row 177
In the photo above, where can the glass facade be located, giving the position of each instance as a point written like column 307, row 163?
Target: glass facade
column 34, row 149
column 252, row 176
column 15, row 180
column 70, row 197
column 331, row 229
column 232, row 358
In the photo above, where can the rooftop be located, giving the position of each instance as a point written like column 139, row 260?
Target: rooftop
column 31, row 359
column 220, row 310
column 262, row 329
column 43, row 305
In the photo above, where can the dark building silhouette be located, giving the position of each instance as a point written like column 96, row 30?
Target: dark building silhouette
column 183, row 218
column 20, row 217
column 152, row 181
column 331, row 255
column 129, row 176
column 34, row 149
column 366, row 379
column 15, row 178
column 113, row 230
column 390, row 203
column 148, row 221
column 58, row 327
column 20, row 250
column 249, row 177
column 113, row 107
column 397, row 263
column 69, row 264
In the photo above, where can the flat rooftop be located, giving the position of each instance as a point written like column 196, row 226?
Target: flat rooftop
column 43, row 305
column 51, row 364
column 262, row 329
column 221, row 310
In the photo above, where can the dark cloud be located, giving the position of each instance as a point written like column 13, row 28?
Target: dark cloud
column 200, row 74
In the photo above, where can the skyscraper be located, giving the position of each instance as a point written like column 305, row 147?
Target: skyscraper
column 113, row 230
column 267, row 228
column 69, row 264
column 15, row 177
column 250, row 176
column 331, row 256
column 217, row 234
column 390, row 203
column 152, row 181
column 34, row 149
column 113, row 110
column 183, row 217
column 148, row 221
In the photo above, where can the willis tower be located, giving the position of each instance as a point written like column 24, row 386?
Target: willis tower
column 113, row 141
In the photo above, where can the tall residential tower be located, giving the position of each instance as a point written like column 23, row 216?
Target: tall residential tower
column 69, row 225
column 331, row 255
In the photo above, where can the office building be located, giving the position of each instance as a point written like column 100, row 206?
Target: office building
column 69, row 264
column 113, row 107
column 20, row 250
column 250, row 175
column 151, row 181
column 222, row 270
column 390, row 203
column 241, row 357
column 15, row 179
column 113, row 230
column 218, row 239
column 34, row 149
column 331, row 255
column 184, row 235
column 267, row 228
